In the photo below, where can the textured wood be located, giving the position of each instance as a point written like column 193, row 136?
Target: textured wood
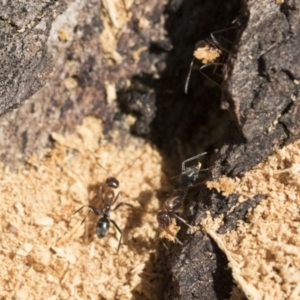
column 25, row 62
column 261, row 91
column 262, row 87
column 79, row 59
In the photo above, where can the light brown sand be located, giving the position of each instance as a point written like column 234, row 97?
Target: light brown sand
column 46, row 253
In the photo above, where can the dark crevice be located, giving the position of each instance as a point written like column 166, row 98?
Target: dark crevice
column 223, row 281
column 287, row 7
column 286, row 131
column 287, row 108
column 182, row 125
column 179, row 118
column 262, row 69
column 7, row 21
column 289, row 74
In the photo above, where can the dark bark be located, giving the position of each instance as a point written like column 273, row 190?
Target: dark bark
column 56, row 107
column 261, row 89
column 261, row 92
column 25, row 61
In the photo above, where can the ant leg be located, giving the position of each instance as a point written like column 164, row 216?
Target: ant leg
column 191, row 158
column 203, row 74
column 227, row 41
column 166, row 229
column 118, row 228
column 186, row 86
column 165, row 245
column 212, row 35
column 215, row 68
column 207, row 77
column 115, row 199
column 85, row 217
column 182, row 220
column 122, row 203
column 100, row 193
column 199, row 183
column 95, row 210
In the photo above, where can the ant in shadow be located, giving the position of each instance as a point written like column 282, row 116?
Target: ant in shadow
column 189, row 175
column 107, row 196
column 210, row 51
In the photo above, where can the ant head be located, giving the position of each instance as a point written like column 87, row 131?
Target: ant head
column 112, row 182
column 172, row 204
column 241, row 20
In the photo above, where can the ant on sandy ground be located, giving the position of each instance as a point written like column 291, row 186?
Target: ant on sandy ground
column 189, row 175
column 107, row 196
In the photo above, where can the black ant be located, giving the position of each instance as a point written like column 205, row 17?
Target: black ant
column 108, row 197
column 189, row 176
column 209, row 52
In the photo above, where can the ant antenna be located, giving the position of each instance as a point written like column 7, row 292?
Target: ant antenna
column 130, row 165
column 96, row 159
column 122, row 170
column 190, row 159
column 186, row 86
column 214, row 39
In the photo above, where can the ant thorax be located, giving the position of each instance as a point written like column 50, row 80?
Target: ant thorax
column 172, row 204
column 207, row 52
column 189, row 176
column 107, row 194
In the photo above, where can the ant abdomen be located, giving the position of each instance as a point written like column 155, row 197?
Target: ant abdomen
column 102, row 227
column 163, row 219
